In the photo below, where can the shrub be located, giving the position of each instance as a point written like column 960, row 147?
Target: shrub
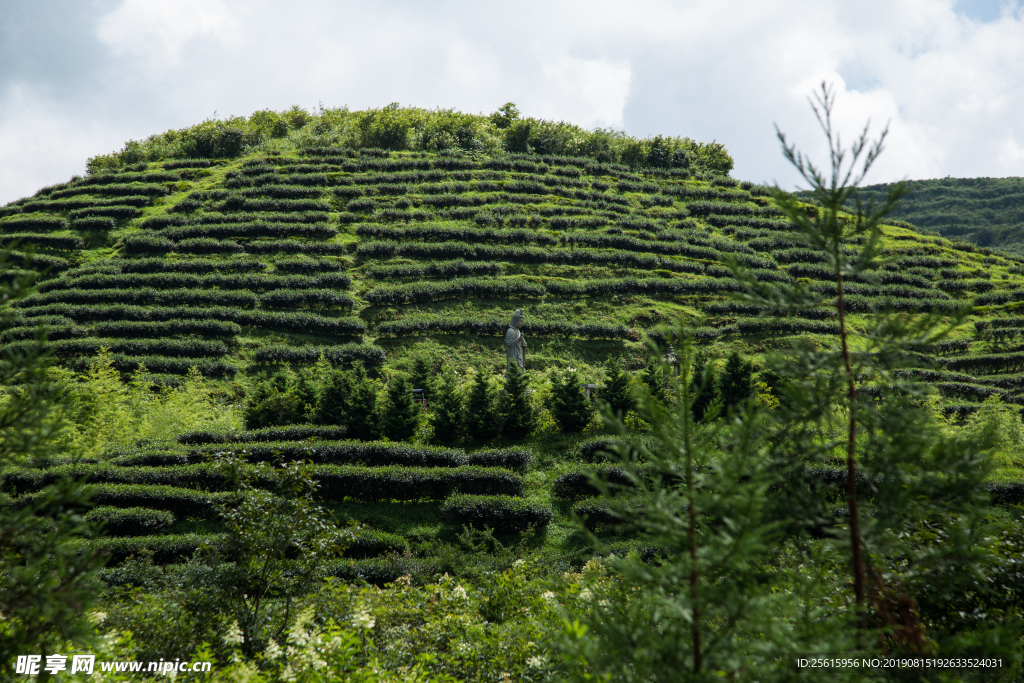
column 56, row 242
column 164, row 549
column 35, row 223
column 286, row 298
column 90, row 224
column 298, row 433
column 504, row 514
column 407, row 483
column 373, row 543
column 335, row 354
column 118, row 212
column 149, row 295
column 307, row 265
column 576, row 483
column 202, row 328
column 130, row 521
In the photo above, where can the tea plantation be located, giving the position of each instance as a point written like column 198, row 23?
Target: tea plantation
column 270, row 259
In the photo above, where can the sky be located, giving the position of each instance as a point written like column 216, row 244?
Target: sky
column 81, row 77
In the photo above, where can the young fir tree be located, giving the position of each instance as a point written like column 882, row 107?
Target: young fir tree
column 332, row 401
column 736, row 382
column 482, row 419
column 704, row 606
column 616, row 392
column 422, row 376
column 518, row 419
column 914, row 496
column 754, row 558
column 361, row 421
column 703, row 386
column 446, row 411
column 398, row 415
column 570, row 407
column 653, row 377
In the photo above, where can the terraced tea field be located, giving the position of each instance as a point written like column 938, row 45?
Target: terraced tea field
column 239, row 267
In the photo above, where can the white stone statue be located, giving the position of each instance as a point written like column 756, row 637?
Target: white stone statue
column 515, row 342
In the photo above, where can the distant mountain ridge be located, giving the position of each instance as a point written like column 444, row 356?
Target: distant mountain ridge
column 988, row 212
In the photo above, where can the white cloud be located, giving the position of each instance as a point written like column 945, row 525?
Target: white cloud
column 951, row 87
column 159, row 31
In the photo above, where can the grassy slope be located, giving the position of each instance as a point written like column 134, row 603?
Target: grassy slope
column 637, row 196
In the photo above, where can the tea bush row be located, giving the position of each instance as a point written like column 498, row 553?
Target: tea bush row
column 130, row 521
column 162, row 265
column 174, row 348
column 116, row 190
column 461, row 250
column 250, row 230
column 503, row 514
column 163, row 365
column 399, row 328
column 338, row 482
column 227, row 282
column 202, row 328
column 167, row 220
column 377, row 454
column 283, row 321
column 297, row 433
column 55, row 242
column 436, row 269
column 373, row 355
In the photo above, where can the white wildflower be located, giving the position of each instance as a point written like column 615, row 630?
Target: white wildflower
column 518, row 563
column 548, row 595
column 362, row 619
column 537, row 662
column 234, row 635
column 273, row 650
column 585, row 594
column 459, row 593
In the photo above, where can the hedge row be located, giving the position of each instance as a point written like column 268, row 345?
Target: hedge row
column 459, row 250
column 116, row 190
column 118, row 212
column 576, row 483
column 288, row 298
column 175, row 348
column 164, row 365
column 283, row 191
column 308, row 266
column 503, row 514
column 298, row 433
column 39, row 262
column 35, row 223
column 172, row 280
column 130, row 521
column 52, row 332
column 163, row 265
column 412, row 483
column 184, row 503
column 163, row 549
column 148, row 244
column 598, row 513
column 437, row 269
column 147, row 295
column 737, row 308
column 111, row 178
column 376, row 454
column 56, row 242
column 94, row 224
column 284, row 321
column 436, row 291
column 992, row 363
column 168, row 220
column 373, row 355
column 443, row 234
column 242, row 204
column 401, row 328
column 293, row 247
column 318, row 231
column 781, row 326
column 203, row 476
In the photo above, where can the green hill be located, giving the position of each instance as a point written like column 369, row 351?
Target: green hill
column 251, row 246
column 988, row 212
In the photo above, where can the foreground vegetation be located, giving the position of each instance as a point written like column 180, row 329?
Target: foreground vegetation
column 808, row 469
